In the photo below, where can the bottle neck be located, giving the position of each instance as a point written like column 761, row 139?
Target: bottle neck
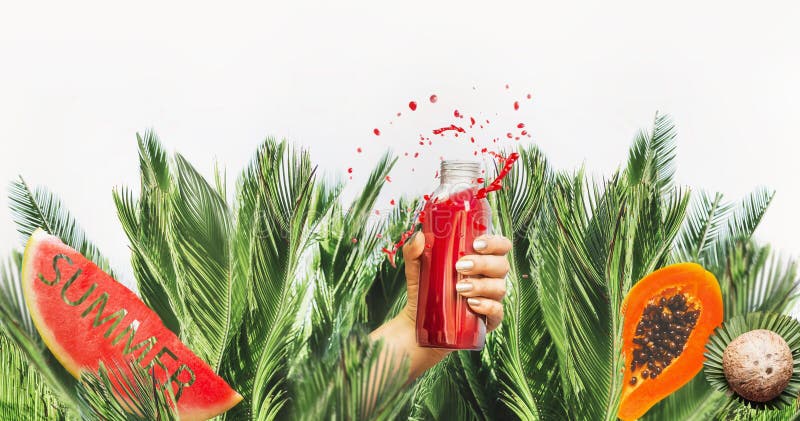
column 455, row 173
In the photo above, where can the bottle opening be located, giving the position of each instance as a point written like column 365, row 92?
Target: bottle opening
column 460, row 172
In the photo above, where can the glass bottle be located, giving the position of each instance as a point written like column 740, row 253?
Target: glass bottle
column 453, row 217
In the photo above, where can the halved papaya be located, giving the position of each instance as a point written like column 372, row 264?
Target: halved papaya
column 668, row 317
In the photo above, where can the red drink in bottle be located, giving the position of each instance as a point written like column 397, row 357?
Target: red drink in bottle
column 455, row 216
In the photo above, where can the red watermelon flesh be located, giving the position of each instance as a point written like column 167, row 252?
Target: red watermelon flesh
column 85, row 317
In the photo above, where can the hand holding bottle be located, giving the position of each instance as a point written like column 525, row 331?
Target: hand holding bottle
column 484, row 285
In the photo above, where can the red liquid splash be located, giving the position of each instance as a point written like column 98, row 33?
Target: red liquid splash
column 434, row 98
column 451, row 127
column 516, row 105
column 497, row 184
column 377, row 132
column 412, row 105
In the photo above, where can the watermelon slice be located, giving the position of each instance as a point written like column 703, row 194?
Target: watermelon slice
column 85, row 317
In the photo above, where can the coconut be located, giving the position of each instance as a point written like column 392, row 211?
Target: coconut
column 758, row 365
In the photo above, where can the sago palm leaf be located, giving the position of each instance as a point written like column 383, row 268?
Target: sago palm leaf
column 595, row 243
column 24, row 393
column 437, row 396
column 347, row 268
column 526, row 367
column 146, row 222
column 124, row 393
column 279, row 204
column 704, row 224
column 200, row 243
column 651, row 158
column 362, row 386
column 32, row 209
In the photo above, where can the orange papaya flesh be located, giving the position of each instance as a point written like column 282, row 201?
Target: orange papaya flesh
column 668, row 317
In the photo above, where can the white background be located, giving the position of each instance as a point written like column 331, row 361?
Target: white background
column 78, row 80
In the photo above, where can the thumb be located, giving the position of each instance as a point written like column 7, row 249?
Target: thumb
column 412, row 250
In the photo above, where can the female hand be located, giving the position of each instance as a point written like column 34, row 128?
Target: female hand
column 484, row 284
column 484, row 287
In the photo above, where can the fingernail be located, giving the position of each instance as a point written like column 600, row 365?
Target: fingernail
column 473, row 302
column 465, row 264
column 479, row 244
column 464, row 286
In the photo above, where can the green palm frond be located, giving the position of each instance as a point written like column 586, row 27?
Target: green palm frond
column 200, row 244
column 124, row 393
column 528, row 369
column 702, row 228
column 24, row 393
column 749, row 213
column 32, row 209
column 146, row 222
column 651, row 158
column 437, row 396
column 280, row 205
column 363, row 385
column 346, row 269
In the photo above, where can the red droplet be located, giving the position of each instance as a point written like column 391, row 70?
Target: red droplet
column 434, row 98
column 350, row 170
column 516, row 105
column 412, row 105
column 524, row 132
column 516, row 138
column 520, row 125
column 475, row 153
column 354, row 240
column 472, row 139
column 483, row 150
column 388, row 179
column 379, row 235
column 416, row 154
column 358, row 150
column 399, row 114
column 391, row 202
column 405, row 154
column 509, row 135
column 507, row 86
column 529, row 96
column 377, row 132
column 456, row 114
column 377, row 212
column 426, row 197
column 487, row 121
column 472, row 121
column 481, row 180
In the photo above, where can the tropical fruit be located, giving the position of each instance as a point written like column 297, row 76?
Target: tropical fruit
column 86, row 317
column 668, row 317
